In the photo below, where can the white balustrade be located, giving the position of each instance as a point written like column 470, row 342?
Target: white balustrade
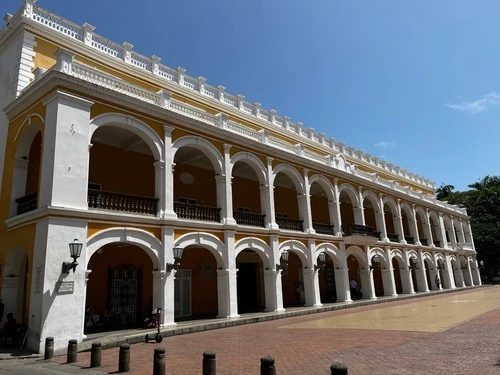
column 193, row 112
column 242, row 130
column 57, row 23
column 141, row 62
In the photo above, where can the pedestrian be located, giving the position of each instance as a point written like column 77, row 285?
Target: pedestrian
column 353, row 284
column 438, row 282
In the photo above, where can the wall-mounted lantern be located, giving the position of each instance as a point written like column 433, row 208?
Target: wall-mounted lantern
column 75, row 249
column 177, row 259
column 283, row 262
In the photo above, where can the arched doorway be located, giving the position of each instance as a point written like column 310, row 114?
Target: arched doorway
column 250, row 282
column 196, row 293
column 120, row 287
column 428, row 267
column 397, row 265
column 327, row 283
column 288, row 213
column 292, row 282
column 378, row 281
column 354, row 274
column 247, row 196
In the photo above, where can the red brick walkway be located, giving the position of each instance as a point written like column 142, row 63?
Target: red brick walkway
column 471, row 347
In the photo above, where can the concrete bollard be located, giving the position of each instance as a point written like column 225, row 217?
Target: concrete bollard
column 95, row 354
column 124, row 358
column 209, row 363
column 338, row 368
column 267, row 366
column 159, row 363
column 72, row 351
column 49, row 348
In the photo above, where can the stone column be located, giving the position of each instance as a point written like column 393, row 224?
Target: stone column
column 275, row 259
column 388, row 275
column 270, row 214
column 228, row 196
column 398, row 227
column 342, row 277
column 337, row 217
column 167, row 256
column 383, row 232
column 421, row 275
column 367, row 285
column 429, row 230
column 168, row 174
column 305, row 205
column 414, row 226
column 158, row 286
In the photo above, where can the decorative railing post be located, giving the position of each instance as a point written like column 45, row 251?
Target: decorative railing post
column 180, row 75
column 286, row 122
column 127, row 52
column 256, row 109
column 64, row 60
column 299, row 128
column 155, row 65
column 201, row 84
column 220, row 93
column 87, row 31
column 272, row 116
column 239, row 101
column 28, row 8
column 221, row 120
column 264, row 136
column 164, row 98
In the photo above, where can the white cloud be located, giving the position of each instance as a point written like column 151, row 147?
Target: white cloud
column 385, row 144
column 477, row 106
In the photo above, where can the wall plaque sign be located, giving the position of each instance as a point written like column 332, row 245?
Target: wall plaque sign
column 65, row 287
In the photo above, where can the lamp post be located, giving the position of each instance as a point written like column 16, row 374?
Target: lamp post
column 75, row 249
column 321, row 261
column 177, row 259
column 283, row 265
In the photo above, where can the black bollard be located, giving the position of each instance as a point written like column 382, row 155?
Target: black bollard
column 95, row 354
column 72, row 351
column 209, row 363
column 338, row 368
column 124, row 358
column 159, row 363
column 267, row 366
column 49, row 348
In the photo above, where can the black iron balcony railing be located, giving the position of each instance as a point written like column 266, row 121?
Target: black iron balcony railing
column 121, row 202
column 393, row 237
column 197, row 212
column 424, row 242
column 249, row 218
column 27, row 203
column 290, row 224
column 359, row 230
column 437, row 243
column 323, row 228
column 410, row 240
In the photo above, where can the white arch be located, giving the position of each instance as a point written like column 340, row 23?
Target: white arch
column 139, row 128
column 207, row 241
column 295, row 247
column 396, row 253
column 358, row 253
column 139, row 237
column 292, row 173
column 420, row 213
column 324, row 183
column 257, row 245
column 27, row 135
column 254, row 162
column 208, row 149
column 428, row 256
column 351, row 192
column 381, row 255
column 372, row 197
column 332, row 251
column 391, row 203
column 406, row 208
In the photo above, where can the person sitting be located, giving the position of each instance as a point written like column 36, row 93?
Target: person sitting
column 9, row 330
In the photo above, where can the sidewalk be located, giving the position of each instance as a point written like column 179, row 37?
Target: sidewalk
column 112, row 339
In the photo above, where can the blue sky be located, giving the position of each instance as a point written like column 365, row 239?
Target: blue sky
column 414, row 82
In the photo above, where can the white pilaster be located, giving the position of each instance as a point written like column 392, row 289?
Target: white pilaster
column 168, row 174
column 305, row 205
column 275, row 259
column 388, row 275
column 65, row 158
column 270, row 213
column 227, row 213
column 167, row 256
column 227, row 283
column 337, row 217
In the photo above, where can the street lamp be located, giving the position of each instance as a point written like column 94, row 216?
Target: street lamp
column 75, row 249
column 321, row 261
column 375, row 259
column 177, row 259
column 283, row 262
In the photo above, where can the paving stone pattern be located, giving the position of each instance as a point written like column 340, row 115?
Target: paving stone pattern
column 470, row 347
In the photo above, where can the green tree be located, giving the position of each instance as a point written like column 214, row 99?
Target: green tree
column 444, row 191
column 482, row 202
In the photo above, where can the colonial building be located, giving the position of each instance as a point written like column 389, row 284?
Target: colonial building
column 137, row 161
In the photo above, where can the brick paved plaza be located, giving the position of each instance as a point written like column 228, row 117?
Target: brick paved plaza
column 457, row 333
